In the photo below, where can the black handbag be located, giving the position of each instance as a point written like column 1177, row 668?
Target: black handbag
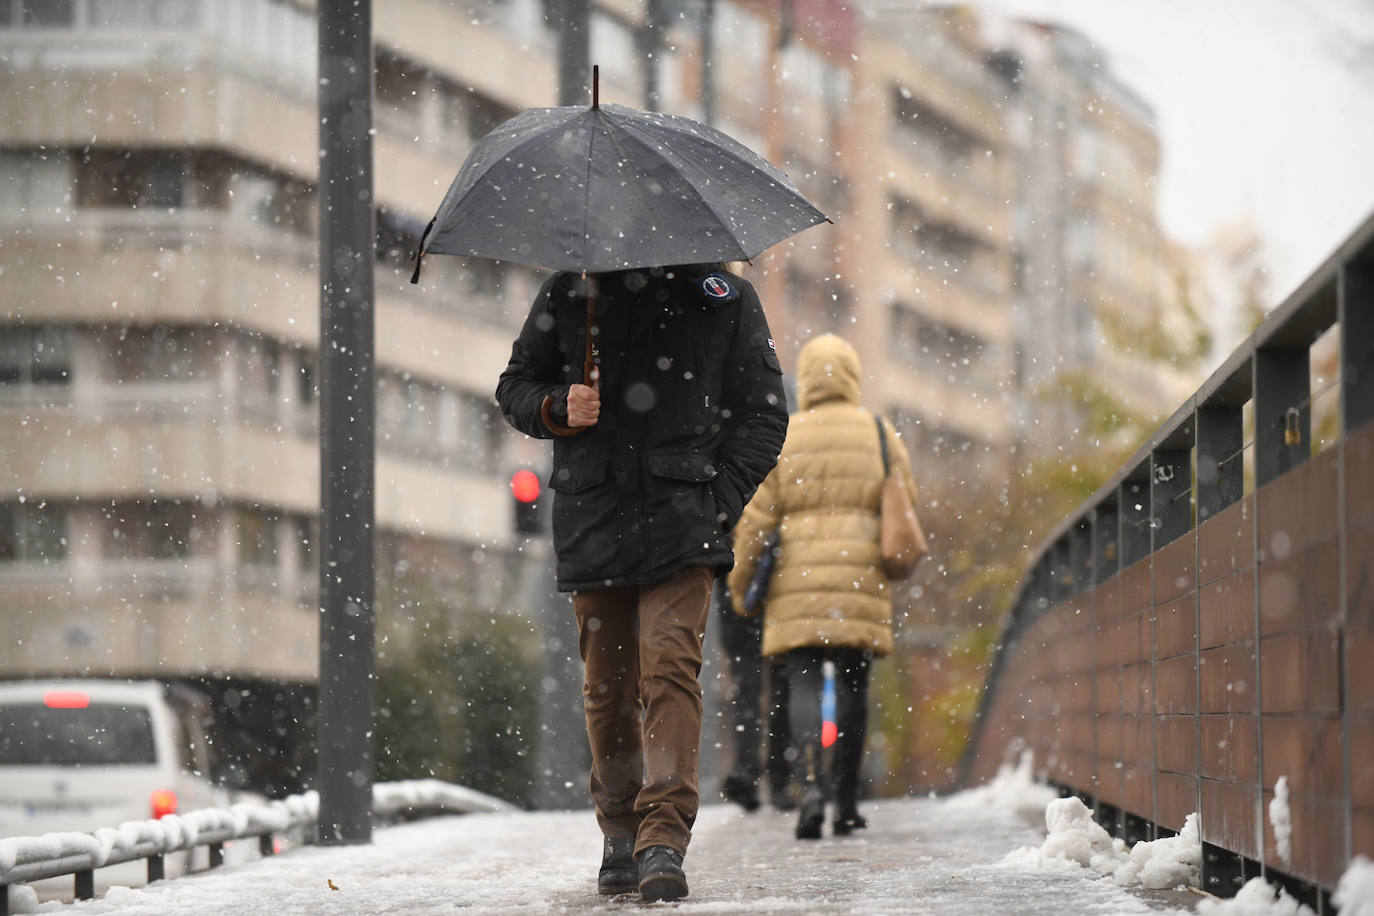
column 763, row 574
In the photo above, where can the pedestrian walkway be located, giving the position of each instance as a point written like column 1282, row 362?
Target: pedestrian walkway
column 919, row 856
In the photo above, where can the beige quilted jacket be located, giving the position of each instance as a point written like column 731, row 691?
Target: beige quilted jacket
column 828, row 588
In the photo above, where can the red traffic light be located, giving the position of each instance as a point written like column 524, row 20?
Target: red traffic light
column 524, row 485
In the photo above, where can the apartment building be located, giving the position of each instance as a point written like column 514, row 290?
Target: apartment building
column 1098, row 291
column 159, row 325
column 159, row 304
column 930, row 251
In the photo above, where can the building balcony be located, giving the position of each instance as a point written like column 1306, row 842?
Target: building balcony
column 193, row 266
column 85, row 453
column 944, row 197
column 955, row 299
column 250, row 91
column 931, row 396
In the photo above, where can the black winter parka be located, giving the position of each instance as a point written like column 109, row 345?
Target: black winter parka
column 692, row 419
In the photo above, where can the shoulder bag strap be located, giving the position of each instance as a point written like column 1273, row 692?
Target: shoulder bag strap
column 882, row 444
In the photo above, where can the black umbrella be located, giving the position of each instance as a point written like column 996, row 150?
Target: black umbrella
column 610, row 188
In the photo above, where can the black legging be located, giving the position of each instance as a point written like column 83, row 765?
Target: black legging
column 741, row 638
column 806, row 684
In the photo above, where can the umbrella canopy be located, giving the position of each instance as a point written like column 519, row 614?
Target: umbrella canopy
column 611, row 188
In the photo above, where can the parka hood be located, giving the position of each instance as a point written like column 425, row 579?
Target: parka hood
column 827, row 370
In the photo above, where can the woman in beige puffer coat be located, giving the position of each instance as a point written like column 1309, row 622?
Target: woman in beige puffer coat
column 829, row 598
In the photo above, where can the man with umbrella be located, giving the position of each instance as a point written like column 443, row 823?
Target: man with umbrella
column 653, row 370
column 685, row 418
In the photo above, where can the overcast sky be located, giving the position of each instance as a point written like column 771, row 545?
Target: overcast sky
column 1265, row 111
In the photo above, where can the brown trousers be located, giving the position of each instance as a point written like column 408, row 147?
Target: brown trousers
column 641, row 646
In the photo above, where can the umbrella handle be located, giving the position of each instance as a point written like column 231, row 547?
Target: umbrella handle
column 558, row 429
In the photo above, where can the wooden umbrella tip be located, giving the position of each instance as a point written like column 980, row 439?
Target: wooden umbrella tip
column 596, row 85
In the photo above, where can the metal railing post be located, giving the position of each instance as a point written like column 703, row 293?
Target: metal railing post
column 1355, row 302
column 1220, row 464
column 1283, row 416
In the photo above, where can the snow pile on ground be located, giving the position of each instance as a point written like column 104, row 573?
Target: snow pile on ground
column 1282, row 819
column 1075, row 839
column 1166, row 862
column 1355, row 892
column 1256, row 898
column 1013, row 789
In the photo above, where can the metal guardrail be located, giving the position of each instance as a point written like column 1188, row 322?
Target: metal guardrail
column 1114, row 659
column 55, row 855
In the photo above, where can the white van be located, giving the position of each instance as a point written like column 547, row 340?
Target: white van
column 84, row 754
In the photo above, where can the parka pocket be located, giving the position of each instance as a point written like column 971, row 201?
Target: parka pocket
column 577, row 468
column 690, row 467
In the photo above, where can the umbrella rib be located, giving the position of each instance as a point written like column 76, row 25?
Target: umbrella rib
column 445, row 207
column 654, row 147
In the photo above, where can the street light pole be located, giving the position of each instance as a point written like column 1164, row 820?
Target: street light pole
column 347, row 256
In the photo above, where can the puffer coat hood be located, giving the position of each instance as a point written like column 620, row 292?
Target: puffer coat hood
column 827, row 370
column 828, row 587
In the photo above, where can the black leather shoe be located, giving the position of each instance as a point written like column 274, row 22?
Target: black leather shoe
column 812, row 814
column 846, row 822
column 619, row 873
column 741, row 791
column 660, row 875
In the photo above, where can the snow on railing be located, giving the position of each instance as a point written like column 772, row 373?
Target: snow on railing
column 32, row 858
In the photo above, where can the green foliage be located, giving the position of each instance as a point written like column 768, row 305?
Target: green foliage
column 951, row 713
column 890, row 716
column 457, row 694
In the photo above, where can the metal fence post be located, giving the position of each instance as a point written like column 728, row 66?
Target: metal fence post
column 1220, row 464
column 1171, row 486
column 347, row 396
column 1283, row 416
column 1355, row 301
column 1133, row 516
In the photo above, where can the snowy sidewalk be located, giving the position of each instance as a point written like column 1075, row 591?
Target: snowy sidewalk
column 919, row 856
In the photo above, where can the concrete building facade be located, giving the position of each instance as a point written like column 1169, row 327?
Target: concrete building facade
column 159, row 464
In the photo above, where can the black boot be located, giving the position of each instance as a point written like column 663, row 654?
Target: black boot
column 742, row 791
column 847, row 821
column 812, row 814
column 619, row 873
column 660, row 875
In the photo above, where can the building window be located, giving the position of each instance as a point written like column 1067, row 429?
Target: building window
column 34, row 183
column 162, row 353
column 398, row 234
column 173, row 14
column 46, row 13
column 259, row 378
column 35, row 356
column 256, row 532
column 170, row 528
column 131, row 178
column 33, row 532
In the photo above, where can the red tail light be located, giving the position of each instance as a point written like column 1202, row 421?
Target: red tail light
column 164, row 802
column 66, row 699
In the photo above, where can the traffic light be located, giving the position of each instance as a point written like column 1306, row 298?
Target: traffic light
column 525, row 487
